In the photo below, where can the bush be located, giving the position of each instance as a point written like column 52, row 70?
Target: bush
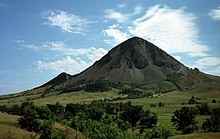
column 192, row 100
column 184, row 119
column 152, row 105
column 214, row 101
column 161, row 131
column 212, row 124
column 203, row 109
column 98, row 85
column 161, row 104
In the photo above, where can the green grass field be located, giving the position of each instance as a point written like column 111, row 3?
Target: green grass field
column 173, row 101
column 74, row 97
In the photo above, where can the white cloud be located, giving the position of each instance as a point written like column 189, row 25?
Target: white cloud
column 91, row 53
column 31, row 46
column 217, row 70
column 215, row 13
column 137, row 10
column 114, row 15
column 173, row 30
column 209, row 64
column 121, row 5
column 18, row 41
column 117, row 35
column 66, row 64
column 72, row 61
column 208, row 61
column 122, row 17
column 65, row 21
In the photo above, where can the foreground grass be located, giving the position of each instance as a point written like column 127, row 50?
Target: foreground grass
column 10, row 130
column 198, row 136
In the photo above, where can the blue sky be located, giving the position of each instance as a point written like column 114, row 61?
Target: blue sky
column 41, row 38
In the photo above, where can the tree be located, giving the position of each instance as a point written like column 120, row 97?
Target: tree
column 98, row 85
column 131, row 114
column 212, row 124
column 147, row 120
column 161, row 104
column 160, row 131
column 203, row 109
column 214, row 101
column 193, row 100
column 184, row 119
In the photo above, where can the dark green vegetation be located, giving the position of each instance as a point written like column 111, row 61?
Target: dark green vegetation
column 104, row 119
column 99, row 119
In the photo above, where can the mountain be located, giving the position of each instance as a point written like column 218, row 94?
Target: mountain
column 133, row 61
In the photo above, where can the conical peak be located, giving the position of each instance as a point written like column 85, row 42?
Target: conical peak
column 132, row 44
column 135, row 60
column 135, row 39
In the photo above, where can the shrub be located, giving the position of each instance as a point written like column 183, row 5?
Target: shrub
column 152, row 105
column 214, row 101
column 161, row 104
column 98, row 85
column 192, row 100
column 203, row 109
column 212, row 124
column 184, row 119
column 161, row 131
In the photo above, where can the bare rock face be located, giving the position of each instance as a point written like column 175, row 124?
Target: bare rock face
column 133, row 61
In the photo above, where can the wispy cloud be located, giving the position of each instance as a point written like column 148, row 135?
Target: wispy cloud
column 67, row 64
column 121, row 5
column 217, row 70
column 73, row 60
column 209, row 64
column 91, row 53
column 17, row 41
column 65, row 21
column 137, row 10
column 215, row 13
column 208, row 61
column 117, row 35
column 120, row 17
column 173, row 30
